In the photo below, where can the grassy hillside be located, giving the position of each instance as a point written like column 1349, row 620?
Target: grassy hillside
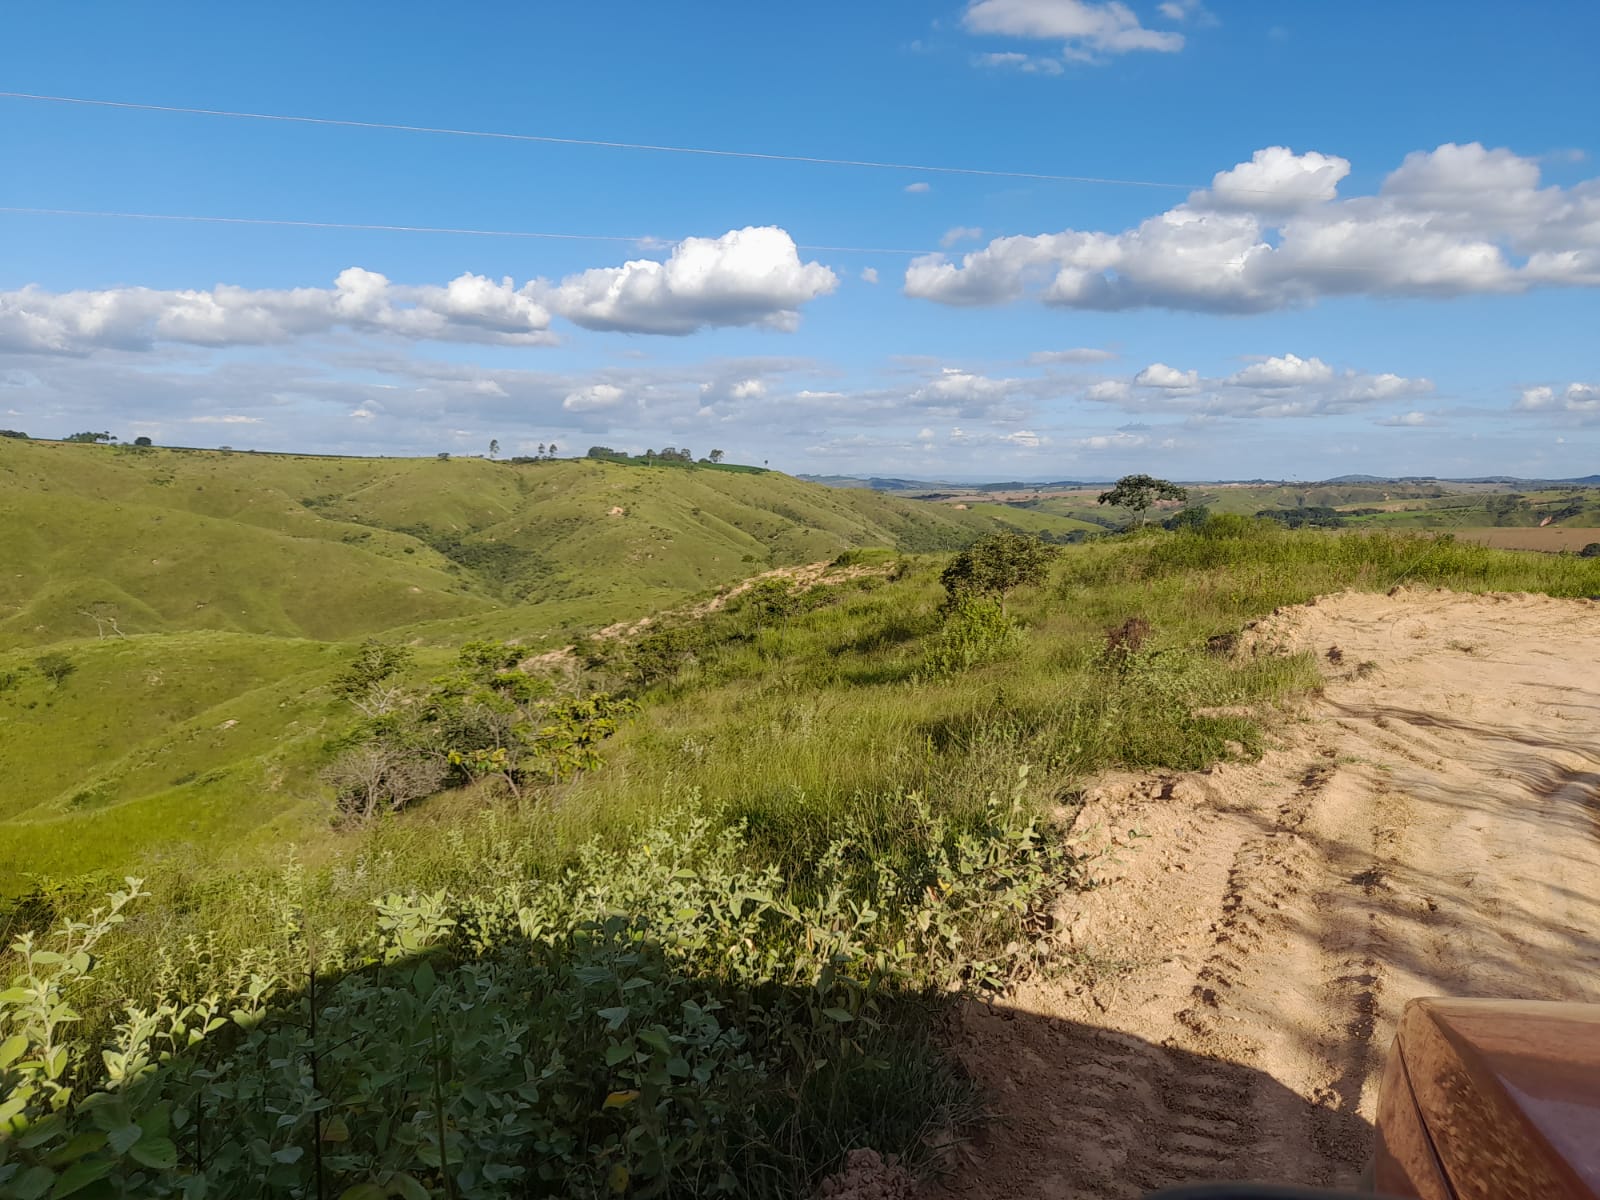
column 712, row 963
column 329, row 548
column 204, row 599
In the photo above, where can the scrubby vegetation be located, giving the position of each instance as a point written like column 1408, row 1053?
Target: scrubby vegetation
column 675, row 911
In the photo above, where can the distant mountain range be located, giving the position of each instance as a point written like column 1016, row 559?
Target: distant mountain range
column 879, row 483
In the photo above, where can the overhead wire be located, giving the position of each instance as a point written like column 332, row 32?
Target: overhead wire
column 551, row 139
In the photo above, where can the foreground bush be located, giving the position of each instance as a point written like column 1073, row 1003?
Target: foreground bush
column 659, row 1020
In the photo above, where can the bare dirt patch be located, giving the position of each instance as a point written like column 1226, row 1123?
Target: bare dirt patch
column 1551, row 538
column 806, row 576
column 1430, row 825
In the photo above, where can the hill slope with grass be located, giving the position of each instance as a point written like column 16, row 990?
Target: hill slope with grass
column 330, row 548
column 204, row 600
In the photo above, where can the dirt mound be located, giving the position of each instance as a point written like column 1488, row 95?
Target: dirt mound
column 807, row 576
column 1430, row 825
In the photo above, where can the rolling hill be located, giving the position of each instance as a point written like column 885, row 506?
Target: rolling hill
column 203, row 601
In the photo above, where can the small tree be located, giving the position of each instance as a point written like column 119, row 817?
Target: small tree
column 142, row 441
column 494, row 447
column 995, row 565
column 1188, row 519
column 1139, row 492
column 443, row 456
column 552, row 449
column 368, row 682
column 89, row 437
column 716, row 456
column 380, row 777
column 55, row 667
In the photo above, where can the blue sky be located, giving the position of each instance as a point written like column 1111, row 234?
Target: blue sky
column 1401, row 278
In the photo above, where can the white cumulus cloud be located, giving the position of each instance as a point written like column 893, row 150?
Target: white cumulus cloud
column 1159, row 375
column 470, row 308
column 1273, row 234
column 1084, row 28
column 1288, row 370
column 1576, row 399
column 597, row 397
column 1280, row 386
column 750, row 276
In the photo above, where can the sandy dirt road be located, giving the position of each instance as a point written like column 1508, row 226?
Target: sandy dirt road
column 1430, row 825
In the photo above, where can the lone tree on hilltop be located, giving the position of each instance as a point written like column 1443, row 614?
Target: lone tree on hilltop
column 994, row 565
column 494, row 447
column 715, row 456
column 1139, row 492
column 142, row 441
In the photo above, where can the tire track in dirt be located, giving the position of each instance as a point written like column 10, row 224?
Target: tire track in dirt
column 1431, row 825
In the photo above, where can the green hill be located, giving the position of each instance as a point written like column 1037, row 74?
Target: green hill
column 329, row 548
column 204, row 599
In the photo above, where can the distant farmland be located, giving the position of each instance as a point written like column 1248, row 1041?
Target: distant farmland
column 1551, row 538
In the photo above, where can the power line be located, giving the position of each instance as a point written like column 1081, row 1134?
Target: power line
column 607, row 145
column 373, row 228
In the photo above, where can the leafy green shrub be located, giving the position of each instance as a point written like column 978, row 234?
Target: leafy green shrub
column 995, row 565
column 658, row 1019
column 975, row 630
column 55, row 666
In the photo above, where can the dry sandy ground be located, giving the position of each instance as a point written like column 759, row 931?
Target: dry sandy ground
column 1431, row 825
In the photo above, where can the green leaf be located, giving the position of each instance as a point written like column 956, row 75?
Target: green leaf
column 289, row 1154
column 80, row 1175
column 613, row 1017
column 407, row 1187
column 158, row 1120
column 113, row 1114
column 364, row 1191
column 16, row 995
column 335, row 1130
column 424, row 980
column 156, row 1152
column 618, row 1052
column 81, row 1144
column 11, row 1049
column 122, row 1140
column 32, row 1183
column 840, row 1015
column 48, row 958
